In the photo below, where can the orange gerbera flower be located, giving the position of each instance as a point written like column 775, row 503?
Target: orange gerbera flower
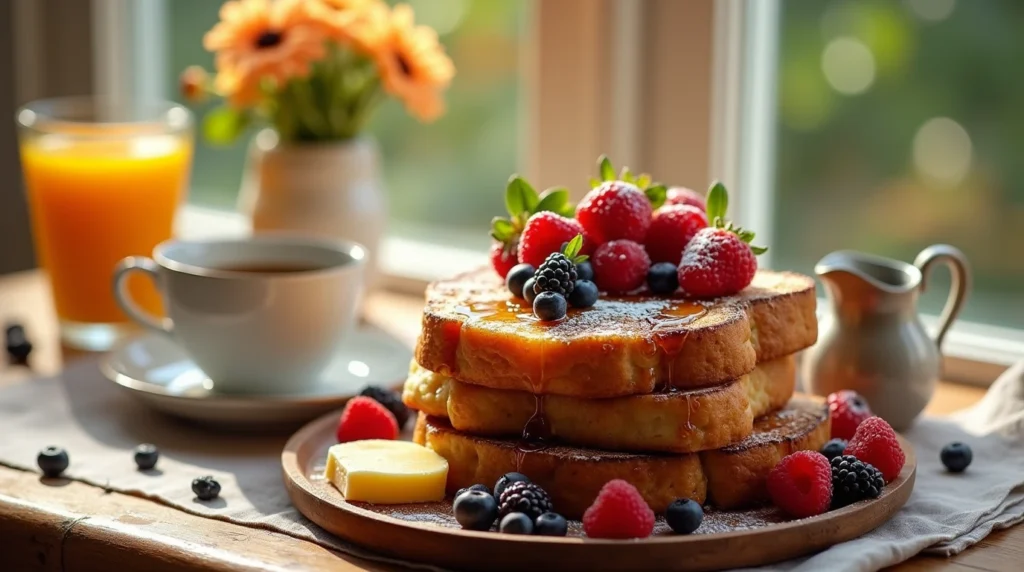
column 413, row 65
column 259, row 41
column 361, row 23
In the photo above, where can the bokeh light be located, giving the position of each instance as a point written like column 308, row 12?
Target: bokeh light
column 932, row 10
column 942, row 151
column 848, row 65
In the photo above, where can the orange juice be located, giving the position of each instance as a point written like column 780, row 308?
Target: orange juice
column 93, row 202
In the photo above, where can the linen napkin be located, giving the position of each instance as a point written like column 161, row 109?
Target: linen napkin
column 99, row 426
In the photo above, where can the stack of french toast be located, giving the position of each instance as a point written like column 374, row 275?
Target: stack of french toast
column 682, row 398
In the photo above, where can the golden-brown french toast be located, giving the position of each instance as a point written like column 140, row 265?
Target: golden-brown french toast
column 679, row 421
column 476, row 332
column 729, row 478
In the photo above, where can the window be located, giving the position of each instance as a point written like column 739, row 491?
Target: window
column 462, row 159
column 900, row 125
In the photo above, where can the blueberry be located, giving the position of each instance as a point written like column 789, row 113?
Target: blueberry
column 662, row 278
column 481, row 488
column 206, row 488
column 517, row 277
column 475, row 510
column 528, row 292
column 516, row 523
column 18, row 346
column 833, row 448
column 584, row 271
column 584, row 294
column 684, row 516
column 956, row 456
column 549, row 306
column 506, row 480
column 550, row 524
column 146, row 456
column 53, row 461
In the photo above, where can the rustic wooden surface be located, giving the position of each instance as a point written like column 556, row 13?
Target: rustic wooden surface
column 70, row 526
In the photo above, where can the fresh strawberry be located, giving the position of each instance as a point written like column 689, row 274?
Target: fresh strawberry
column 671, row 229
column 875, row 442
column 522, row 202
column 847, row 409
column 620, row 266
column 365, row 418
column 619, row 206
column 545, row 233
column 801, row 484
column 504, row 257
column 619, row 511
column 719, row 260
column 684, row 196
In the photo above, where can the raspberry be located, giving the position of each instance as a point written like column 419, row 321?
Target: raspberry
column 615, row 210
column 544, row 233
column 503, row 258
column 716, row 262
column 847, row 409
column 671, row 229
column 801, row 484
column 620, row 266
column 618, row 512
column 875, row 442
column 684, row 196
column 365, row 418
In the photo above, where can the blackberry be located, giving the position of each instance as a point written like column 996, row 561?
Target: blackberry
column 526, row 498
column 556, row 274
column 854, row 480
column 390, row 400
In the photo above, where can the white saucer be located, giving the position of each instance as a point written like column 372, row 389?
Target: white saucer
column 156, row 371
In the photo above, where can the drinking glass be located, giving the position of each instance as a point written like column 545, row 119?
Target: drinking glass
column 104, row 179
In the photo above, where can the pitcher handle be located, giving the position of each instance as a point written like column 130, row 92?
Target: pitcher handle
column 960, row 270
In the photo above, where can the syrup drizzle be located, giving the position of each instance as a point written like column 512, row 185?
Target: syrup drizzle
column 669, row 335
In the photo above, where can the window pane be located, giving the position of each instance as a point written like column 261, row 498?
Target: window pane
column 447, row 174
column 901, row 125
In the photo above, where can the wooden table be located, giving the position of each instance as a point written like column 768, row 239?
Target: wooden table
column 80, row 527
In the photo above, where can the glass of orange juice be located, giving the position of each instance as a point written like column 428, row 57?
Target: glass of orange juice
column 104, row 180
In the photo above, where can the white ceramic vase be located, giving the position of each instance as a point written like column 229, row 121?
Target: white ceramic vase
column 332, row 190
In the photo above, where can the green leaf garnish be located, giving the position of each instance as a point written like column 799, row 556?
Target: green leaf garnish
column 758, row 250
column 502, row 229
column 626, row 175
column 717, row 203
column 606, row 169
column 643, row 181
column 656, row 194
column 554, row 199
column 520, row 196
column 595, row 183
column 572, row 250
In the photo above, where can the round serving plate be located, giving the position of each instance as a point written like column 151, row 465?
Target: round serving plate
column 428, row 533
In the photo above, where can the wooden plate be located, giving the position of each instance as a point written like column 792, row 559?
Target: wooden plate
column 428, row 533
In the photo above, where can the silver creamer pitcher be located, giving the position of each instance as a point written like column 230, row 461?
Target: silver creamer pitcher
column 873, row 341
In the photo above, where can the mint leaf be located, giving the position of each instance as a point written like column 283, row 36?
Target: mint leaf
column 520, row 197
column 554, row 199
column 580, row 258
column 758, row 250
column 568, row 211
column 717, row 202
column 595, row 183
column 626, row 175
column 572, row 248
column 643, row 181
column 745, row 235
column 606, row 169
column 223, row 125
column 656, row 194
column 502, row 229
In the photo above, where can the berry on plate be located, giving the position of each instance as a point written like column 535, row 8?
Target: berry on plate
column 391, row 400
column 477, row 487
column 847, row 409
column 854, row 480
column 545, row 233
column 671, row 229
column 620, row 266
column 618, row 512
column 507, row 479
column 584, row 294
column 956, row 457
column 684, row 516
column 662, row 278
column 834, row 448
column 524, row 497
column 365, row 418
column 801, row 484
column 615, row 210
column 475, row 510
column 53, row 461
column 516, row 523
column 684, row 196
column 550, row 524
column 550, row 306
column 522, row 202
column 517, row 278
column 558, row 271
column 718, row 260
column 875, row 442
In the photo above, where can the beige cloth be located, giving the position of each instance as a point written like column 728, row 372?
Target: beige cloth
column 99, row 426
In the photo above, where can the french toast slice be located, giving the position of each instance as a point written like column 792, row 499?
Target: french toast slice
column 730, row 478
column 680, row 421
column 475, row 331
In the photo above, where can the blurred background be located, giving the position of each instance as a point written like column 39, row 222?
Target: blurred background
column 876, row 125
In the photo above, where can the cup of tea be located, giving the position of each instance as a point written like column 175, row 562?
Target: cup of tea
column 258, row 315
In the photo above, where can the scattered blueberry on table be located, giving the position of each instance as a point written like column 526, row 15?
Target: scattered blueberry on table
column 206, row 488
column 53, row 461
column 146, row 456
column 956, row 456
column 18, row 346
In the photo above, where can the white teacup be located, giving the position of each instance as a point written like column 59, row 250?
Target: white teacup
column 258, row 315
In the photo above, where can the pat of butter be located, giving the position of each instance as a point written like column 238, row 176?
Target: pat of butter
column 386, row 472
